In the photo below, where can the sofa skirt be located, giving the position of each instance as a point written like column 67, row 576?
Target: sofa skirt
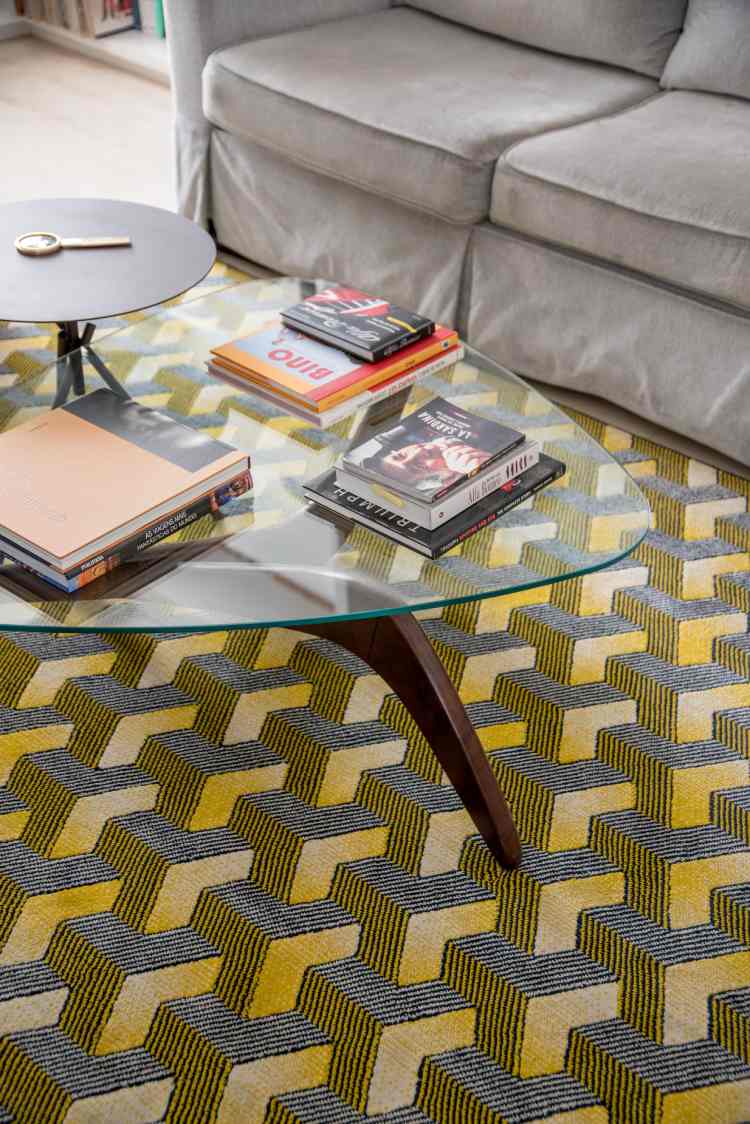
column 570, row 322
column 298, row 222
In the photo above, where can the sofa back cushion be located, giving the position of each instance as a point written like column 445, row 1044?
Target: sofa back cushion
column 713, row 53
column 635, row 34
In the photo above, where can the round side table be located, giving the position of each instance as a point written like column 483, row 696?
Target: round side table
column 168, row 254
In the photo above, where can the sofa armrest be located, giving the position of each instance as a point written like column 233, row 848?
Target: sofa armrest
column 195, row 28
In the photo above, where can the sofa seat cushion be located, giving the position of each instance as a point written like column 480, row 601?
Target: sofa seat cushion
column 661, row 189
column 408, row 106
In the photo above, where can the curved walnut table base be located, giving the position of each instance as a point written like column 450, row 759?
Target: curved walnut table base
column 398, row 650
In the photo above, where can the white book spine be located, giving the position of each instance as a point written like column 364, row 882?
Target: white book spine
column 434, row 515
column 148, row 16
column 72, row 19
column 408, row 378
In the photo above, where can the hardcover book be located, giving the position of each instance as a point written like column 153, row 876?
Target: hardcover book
column 368, row 327
column 293, row 366
column 458, row 499
column 132, row 546
column 431, row 451
column 324, row 491
column 363, row 401
column 86, row 475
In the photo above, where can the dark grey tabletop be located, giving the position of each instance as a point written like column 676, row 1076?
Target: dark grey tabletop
column 168, row 255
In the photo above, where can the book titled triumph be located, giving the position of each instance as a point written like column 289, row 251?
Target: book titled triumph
column 330, row 498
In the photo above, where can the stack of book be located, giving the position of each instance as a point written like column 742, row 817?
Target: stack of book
column 94, row 483
column 440, row 474
column 364, row 351
column 436, row 478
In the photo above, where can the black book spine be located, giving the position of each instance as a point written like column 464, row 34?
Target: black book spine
column 386, row 349
column 429, row 544
column 486, row 520
column 330, row 336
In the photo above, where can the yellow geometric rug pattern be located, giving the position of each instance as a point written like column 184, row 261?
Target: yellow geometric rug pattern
column 235, row 887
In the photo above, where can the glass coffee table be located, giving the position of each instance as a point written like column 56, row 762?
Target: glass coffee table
column 272, row 559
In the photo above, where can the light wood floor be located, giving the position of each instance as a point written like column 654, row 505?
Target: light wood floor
column 71, row 126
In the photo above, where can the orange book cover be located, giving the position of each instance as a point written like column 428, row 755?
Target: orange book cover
column 82, row 471
column 283, row 360
column 276, row 390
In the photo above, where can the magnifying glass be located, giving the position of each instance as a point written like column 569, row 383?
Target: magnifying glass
column 40, row 243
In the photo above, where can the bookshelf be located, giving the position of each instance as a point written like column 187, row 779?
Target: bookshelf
column 134, row 51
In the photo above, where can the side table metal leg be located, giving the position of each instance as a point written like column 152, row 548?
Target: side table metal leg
column 71, row 344
column 64, row 367
column 68, row 344
column 105, row 374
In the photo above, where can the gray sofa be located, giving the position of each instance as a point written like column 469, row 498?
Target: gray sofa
column 568, row 181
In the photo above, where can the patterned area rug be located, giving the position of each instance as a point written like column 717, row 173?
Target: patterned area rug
column 190, row 931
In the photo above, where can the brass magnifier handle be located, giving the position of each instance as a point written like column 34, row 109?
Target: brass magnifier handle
column 93, row 243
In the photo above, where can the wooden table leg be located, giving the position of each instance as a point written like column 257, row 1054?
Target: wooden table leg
column 398, row 650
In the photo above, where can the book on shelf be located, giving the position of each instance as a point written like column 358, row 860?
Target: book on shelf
column 295, row 368
column 85, row 17
column 369, row 327
column 363, row 401
column 464, row 494
column 102, row 476
column 105, row 17
column 325, row 492
column 70, row 15
column 430, row 452
column 150, row 17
